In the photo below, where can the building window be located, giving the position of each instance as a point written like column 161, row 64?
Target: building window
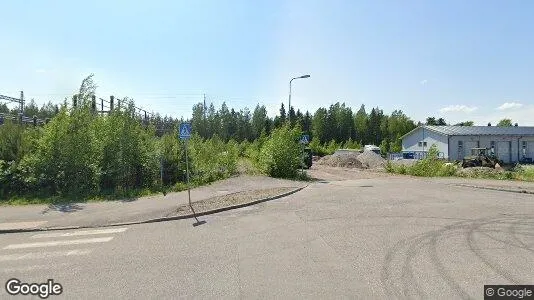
column 420, row 144
column 460, row 145
column 492, row 147
column 424, row 144
column 524, row 150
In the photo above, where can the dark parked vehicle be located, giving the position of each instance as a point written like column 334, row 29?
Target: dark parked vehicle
column 307, row 157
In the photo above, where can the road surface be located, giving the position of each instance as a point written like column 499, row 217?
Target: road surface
column 374, row 238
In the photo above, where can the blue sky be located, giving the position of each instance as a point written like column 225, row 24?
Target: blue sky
column 461, row 60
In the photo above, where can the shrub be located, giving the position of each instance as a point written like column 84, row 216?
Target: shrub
column 253, row 149
column 332, row 147
column 212, row 159
column 11, row 137
column 350, row 144
column 281, row 154
column 317, row 148
column 172, row 159
column 128, row 154
column 67, row 159
column 430, row 166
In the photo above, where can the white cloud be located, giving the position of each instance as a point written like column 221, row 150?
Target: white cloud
column 423, row 82
column 458, row 108
column 510, row 105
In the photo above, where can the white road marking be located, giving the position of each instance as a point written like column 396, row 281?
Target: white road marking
column 41, row 255
column 79, row 233
column 59, row 243
column 21, row 225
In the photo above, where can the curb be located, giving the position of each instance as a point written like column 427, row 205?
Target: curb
column 156, row 220
column 496, row 189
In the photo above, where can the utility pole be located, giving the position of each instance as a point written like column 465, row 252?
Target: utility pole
column 22, row 102
column 204, row 110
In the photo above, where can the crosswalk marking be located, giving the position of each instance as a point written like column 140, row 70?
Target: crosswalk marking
column 59, row 243
column 41, row 255
column 79, row 233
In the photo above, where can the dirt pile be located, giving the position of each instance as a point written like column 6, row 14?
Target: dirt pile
column 345, row 160
column 371, row 160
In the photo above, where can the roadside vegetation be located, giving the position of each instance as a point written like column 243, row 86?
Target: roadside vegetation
column 81, row 155
column 432, row 166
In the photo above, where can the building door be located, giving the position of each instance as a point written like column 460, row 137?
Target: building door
column 530, row 150
column 461, row 153
column 503, row 151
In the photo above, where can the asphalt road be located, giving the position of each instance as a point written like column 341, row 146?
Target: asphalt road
column 376, row 238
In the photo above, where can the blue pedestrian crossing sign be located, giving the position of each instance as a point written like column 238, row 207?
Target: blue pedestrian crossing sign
column 304, row 139
column 185, row 131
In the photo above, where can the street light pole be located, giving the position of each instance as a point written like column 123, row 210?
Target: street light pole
column 289, row 108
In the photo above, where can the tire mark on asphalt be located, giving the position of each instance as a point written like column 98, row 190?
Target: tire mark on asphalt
column 410, row 246
column 513, row 234
column 407, row 271
column 403, row 253
column 472, row 246
column 440, row 268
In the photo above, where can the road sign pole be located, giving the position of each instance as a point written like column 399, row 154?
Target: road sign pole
column 303, row 160
column 187, row 177
column 185, row 134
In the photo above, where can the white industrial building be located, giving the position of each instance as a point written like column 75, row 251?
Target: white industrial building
column 510, row 144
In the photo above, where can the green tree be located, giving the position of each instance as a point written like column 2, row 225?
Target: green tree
column 307, row 123
column 375, row 120
column 198, row 122
column 67, row 159
column 433, row 121
column 505, row 123
column 226, row 122
column 87, row 89
column 281, row 154
column 465, row 123
column 319, row 125
column 361, row 123
column 259, row 119
column 31, row 109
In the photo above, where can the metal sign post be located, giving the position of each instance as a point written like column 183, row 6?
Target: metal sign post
column 185, row 134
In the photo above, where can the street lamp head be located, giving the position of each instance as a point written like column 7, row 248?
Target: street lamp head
column 304, row 76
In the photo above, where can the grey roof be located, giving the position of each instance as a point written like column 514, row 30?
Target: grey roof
column 479, row 130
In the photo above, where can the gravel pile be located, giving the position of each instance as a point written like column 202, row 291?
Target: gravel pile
column 478, row 172
column 345, row 160
column 371, row 160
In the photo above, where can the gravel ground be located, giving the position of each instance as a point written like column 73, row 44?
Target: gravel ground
column 231, row 199
column 327, row 173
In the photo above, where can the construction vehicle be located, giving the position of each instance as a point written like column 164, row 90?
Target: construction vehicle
column 481, row 157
